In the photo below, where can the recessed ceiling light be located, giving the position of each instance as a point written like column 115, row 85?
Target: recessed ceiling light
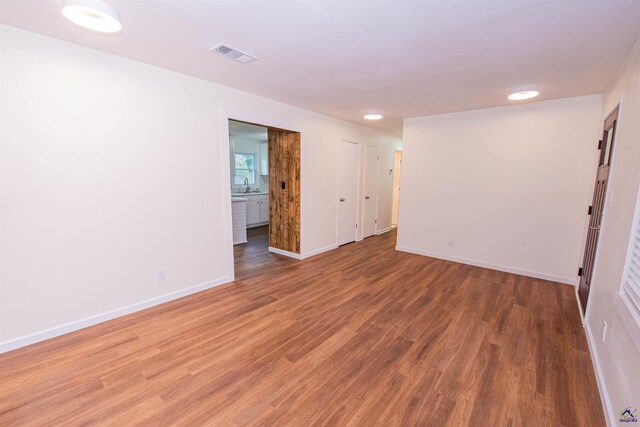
column 95, row 15
column 373, row 116
column 521, row 93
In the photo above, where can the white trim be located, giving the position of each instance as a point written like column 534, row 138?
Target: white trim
column 559, row 279
column 75, row 325
column 382, row 231
column 225, row 171
column 602, row 385
column 285, row 253
column 580, row 309
column 319, row 251
column 257, row 224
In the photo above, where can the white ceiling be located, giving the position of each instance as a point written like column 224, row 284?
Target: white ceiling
column 246, row 130
column 346, row 58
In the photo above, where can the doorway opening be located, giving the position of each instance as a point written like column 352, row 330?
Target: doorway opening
column 397, row 167
column 265, row 192
column 597, row 208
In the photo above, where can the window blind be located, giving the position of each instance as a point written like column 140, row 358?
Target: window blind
column 630, row 291
column 627, row 302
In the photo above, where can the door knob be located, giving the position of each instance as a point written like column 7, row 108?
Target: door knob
column 341, row 199
column 367, row 197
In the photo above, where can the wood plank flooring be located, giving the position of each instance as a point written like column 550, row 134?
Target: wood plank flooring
column 359, row 336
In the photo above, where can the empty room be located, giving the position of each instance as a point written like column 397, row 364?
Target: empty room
column 319, row 212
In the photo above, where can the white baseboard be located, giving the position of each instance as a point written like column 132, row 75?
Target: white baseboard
column 602, row 385
column 285, row 253
column 319, row 251
column 304, row 255
column 257, row 224
column 382, row 231
column 582, row 313
column 559, row 279
column 75, row 325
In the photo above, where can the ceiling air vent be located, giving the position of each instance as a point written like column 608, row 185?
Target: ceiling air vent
column 232, row 53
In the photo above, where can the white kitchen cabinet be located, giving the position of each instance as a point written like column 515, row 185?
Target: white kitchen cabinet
column 253, row 211
column 257, row 210
column 264, row 209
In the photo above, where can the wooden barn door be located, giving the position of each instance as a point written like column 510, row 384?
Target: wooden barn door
column 284, row 190
column 596, row 210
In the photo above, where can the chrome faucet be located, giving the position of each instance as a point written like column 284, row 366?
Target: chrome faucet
column 246, row 182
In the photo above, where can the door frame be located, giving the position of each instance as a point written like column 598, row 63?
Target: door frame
column 615, row 111
column 364, row 184
column 395, row 172
column 358, row 223
column 260, row 119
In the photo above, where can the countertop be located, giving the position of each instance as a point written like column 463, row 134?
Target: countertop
column 262, row 193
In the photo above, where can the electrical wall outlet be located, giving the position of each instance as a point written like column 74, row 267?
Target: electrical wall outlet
column 604, row 331
column 451, row 242
column 162, row 274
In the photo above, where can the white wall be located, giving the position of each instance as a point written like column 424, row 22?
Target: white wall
column 617, row 359
column 112, row 168
column 510, row 185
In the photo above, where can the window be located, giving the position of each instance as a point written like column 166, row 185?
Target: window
column 627, row 301
column 245, row 169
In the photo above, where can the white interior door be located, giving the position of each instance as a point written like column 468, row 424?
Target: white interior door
column 348, row 167
column 370, row 205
